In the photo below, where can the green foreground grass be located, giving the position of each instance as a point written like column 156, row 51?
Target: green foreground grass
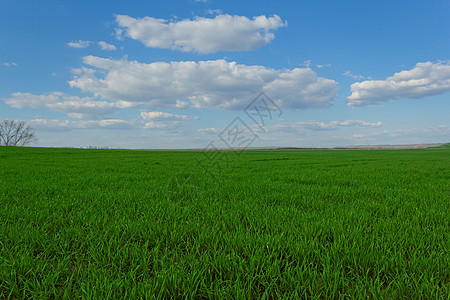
column 124, row 224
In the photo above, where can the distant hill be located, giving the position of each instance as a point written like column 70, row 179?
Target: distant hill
column 446, row 146
column 411, row 146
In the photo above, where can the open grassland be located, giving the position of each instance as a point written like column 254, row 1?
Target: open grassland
column 121, row 224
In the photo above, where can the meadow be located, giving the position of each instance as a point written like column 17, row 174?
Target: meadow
column 330, row 224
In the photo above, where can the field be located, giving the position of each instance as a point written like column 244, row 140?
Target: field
column 109, row 224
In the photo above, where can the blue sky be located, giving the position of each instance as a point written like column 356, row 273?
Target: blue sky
column 176, row 74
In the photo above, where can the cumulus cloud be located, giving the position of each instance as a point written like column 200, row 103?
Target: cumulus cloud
column 203, row 35
column 79, row 44
column 202, row 84
column 107, row 47
column 425, row 79
column 316, row 125
column 301, row 88
column 73, row 106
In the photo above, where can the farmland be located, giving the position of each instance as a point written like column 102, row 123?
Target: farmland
column 268, row 224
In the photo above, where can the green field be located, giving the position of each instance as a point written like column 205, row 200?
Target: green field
column 270, row 224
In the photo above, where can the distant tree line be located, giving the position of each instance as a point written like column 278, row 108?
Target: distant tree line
column 16, row 133
column 98, row 147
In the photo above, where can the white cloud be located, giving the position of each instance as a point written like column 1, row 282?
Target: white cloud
column 208, row 130
column 107, row 47
column 10, row 64
column 350, row 74
column 213, row 11
column 301, row 89
column 316, row 125
column 431, row 134
column 79, row 44
column 323, row 66
column 66, row 125
column 306, row 63
column 359, row 123
column 162, row 125
column 203, row 84
column 203, row 35
column 162, row 120
column 74, row 107
column 158, row 115
column 426, row 79
column 181, row 104
column 146, row 120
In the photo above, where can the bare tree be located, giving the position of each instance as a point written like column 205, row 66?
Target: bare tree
column 16, row 133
